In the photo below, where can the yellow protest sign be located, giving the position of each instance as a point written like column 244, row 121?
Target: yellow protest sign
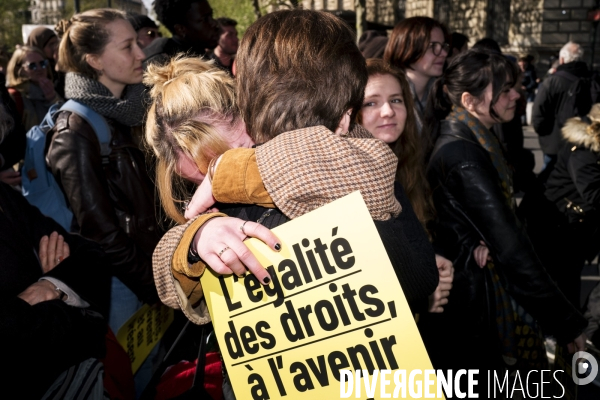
column 142, row 332
column 334, row 304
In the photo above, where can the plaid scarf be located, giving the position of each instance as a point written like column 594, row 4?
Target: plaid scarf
column 490, row 143
column 326, row 167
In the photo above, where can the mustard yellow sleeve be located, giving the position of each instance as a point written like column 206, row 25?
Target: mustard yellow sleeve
column 237, row 179
column 188, row 275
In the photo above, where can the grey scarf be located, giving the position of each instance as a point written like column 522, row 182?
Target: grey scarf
column 128, row 110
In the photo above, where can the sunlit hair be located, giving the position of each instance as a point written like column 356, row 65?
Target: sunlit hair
column 85, row 34
column 14, row 71
column 410, row 40
column 408, row 148
column 298, row 68
column 189, row 97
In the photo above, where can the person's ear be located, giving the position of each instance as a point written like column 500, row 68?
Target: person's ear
column 469, row 102
column 94, row 61
column 344, row 125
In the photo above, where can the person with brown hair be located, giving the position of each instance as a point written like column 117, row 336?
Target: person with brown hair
column 305, row 40
column 418, row 46
column 492, row 311
column 387, row 112
column 29, row 82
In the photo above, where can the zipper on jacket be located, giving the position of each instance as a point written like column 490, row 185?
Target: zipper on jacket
column 127, row 219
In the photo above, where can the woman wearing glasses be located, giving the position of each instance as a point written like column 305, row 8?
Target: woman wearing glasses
column 418, row 45
column 29, row 82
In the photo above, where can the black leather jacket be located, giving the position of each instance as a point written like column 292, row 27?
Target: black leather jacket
column 113, row 204
column 471, row 206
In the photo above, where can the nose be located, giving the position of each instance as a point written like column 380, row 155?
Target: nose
column 387, row 110
column 139, row 53
column 515, row 94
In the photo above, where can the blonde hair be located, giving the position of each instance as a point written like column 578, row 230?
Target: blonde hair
column 85, row 34
column 189, row 97
column 13, row 71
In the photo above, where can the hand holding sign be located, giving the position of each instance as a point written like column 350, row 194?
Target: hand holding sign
column 334, row 303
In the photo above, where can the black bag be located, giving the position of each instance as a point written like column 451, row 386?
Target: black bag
column 193, row 341
column 582, row 94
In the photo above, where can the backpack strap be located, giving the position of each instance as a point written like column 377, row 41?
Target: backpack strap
column 96, row 121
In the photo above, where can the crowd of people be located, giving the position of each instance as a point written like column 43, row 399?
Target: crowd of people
column 292, row 117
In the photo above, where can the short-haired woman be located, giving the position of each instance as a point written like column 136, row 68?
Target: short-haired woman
column 29, row 82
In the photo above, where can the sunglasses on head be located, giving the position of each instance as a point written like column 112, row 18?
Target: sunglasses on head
column 33, row 66
column 153, row 34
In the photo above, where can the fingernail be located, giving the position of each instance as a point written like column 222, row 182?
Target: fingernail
column 242, row 275
column 277, row 246
column 266, row 280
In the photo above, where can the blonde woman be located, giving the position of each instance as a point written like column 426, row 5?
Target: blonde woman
column 29, row 82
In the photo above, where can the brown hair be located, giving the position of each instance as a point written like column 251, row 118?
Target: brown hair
column 85, row 34
column 410, row 40
column 13, row 70
column 408, row 148
column 189, row 97
column 295, row 69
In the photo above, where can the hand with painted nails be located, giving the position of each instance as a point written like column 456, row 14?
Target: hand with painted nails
column 220, row 244
column 52, row 251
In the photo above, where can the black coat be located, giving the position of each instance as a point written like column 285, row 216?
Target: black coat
column 547, row 103
column 112, row 204
column 403, row 237
column 471, row 206
column 40, row 341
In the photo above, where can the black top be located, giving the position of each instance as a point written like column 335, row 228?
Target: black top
column 404, row 239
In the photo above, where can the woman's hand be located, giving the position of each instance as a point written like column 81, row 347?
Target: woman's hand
column 482, row 254
column 40, row 291
column 10, row 177
column 203, row 199
column 439, row 297
column 220, row 245
column 53, row 250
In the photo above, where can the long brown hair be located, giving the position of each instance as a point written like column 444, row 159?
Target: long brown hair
column 408, row 148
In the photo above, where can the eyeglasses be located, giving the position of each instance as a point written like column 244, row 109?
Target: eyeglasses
column 437, row 48
column 33, row 66
column 153, row 34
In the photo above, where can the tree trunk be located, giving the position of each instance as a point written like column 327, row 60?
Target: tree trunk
column 256, row 9
column 361, row 17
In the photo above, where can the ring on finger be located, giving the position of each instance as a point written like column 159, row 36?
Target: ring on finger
column 59, row 259
column 223, row 251
column 242, row 228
